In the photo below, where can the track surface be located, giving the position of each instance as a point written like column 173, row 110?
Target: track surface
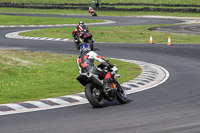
column 186, row 29
column 172, row 107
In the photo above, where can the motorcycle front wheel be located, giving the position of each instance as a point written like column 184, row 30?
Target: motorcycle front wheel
column 121, row 94
column 94, row 96
column 91, row 44
column 95, row 14
column 77, row 45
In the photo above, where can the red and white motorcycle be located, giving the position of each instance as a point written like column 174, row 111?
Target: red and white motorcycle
column 95, row 91
column 92, row 12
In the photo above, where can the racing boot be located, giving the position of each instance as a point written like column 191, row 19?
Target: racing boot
column 76, row 40
column 81, row 41
column 107, row 86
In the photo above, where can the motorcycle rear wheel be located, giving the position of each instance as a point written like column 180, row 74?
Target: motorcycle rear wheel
column 94, row 96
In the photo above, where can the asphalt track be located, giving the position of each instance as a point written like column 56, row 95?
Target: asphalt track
column 172, row 107
column 186, row 29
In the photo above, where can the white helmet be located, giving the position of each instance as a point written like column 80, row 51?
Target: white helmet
column 81, row 23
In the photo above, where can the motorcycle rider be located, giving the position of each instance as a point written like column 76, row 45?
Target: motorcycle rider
column 86, row 64
column 78, row 32
column 90, row 10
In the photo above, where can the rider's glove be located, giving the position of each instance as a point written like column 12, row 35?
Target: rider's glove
column 110, row 66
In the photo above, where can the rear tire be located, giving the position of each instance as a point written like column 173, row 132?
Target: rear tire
column 94, row 96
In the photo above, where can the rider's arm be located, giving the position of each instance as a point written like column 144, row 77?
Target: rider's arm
column 87, row 28
column 78, row 65
column 74, row 32
column 78, row 29
column 100, row 59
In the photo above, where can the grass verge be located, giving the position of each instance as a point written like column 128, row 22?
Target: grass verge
column 99, row 13
column 22, row 20
column 119, row 34
column 28, row 75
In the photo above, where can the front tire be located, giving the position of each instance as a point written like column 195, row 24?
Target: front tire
column 91, row 44
column 121, row 95
column 94, row 96
column 95, row 14
column 77, row 45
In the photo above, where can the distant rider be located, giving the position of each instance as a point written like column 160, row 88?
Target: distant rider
column 90, row 10
column 86, row 64
column 79, row 31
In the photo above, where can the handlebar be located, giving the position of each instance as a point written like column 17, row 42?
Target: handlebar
column 109, row 68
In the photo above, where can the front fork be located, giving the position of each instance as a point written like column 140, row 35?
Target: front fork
column 110, row 95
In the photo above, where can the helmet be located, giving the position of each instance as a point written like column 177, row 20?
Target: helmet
column 81, row 23
column 90, row 8
column 84, row 47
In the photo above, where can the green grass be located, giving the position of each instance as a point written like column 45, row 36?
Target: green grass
column 100, row 13
column 196, row 2
column 28, row 75
column 24, row 20
column 108, row 1
column 120, row 34
column 133, row 6
column 54, row 33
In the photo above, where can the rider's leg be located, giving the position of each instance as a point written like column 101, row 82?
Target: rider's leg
column 76, row 38
column 105, row 76
column 107, row 81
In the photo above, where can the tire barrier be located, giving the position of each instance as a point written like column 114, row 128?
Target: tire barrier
column 40, row 4
column 47, row 7
column 114, row 4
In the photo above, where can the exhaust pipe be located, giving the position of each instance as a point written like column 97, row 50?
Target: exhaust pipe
column 94, row 79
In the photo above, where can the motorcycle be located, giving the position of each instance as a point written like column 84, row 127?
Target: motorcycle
column 95, row 91
column 92, row 12
column 86, row 37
